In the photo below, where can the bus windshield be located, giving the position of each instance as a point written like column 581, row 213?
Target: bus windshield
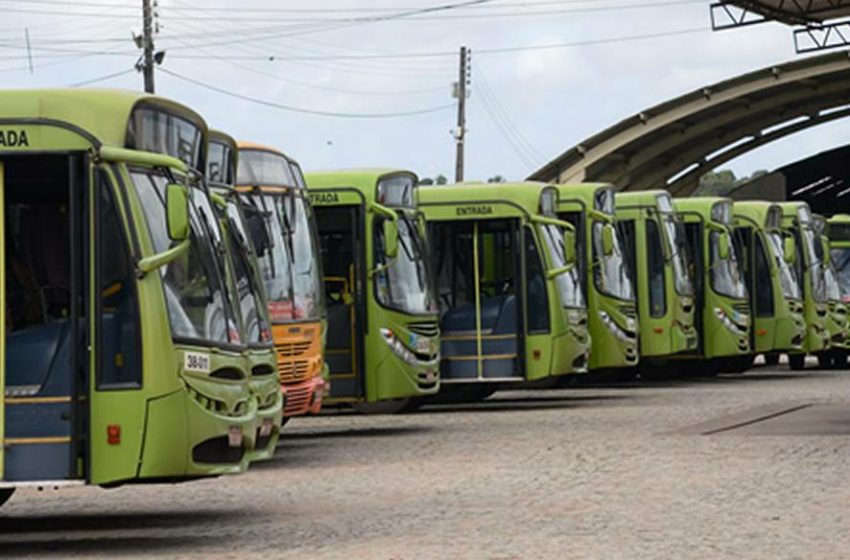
column 841, row 258
column 196, row 299
column 403, row 283
column 814, row 263
column 833, row 290
column 726, row 277
column 678, row 244
column 255, row 324
column 610, row 273
column 286, row 256
column 787, row 276
column 568, row 284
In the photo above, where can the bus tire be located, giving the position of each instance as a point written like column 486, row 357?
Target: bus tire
column 825, row 360
column 797, row 362
column 771, row 359
column 5, row 494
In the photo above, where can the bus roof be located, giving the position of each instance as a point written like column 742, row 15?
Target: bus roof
column 522, row 198
column 640, row 198
column 698, row 203
column 755, row 211
column 839, row 219
column 361, row 179
column 101, row 114
column 243, row 145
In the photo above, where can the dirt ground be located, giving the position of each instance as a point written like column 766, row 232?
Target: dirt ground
column 582, row 472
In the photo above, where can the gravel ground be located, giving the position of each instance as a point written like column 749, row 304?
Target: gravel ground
column 589, row 472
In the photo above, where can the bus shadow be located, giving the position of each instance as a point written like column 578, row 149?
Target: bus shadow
column 366, row 432
column 106, row 535
column 526, row 404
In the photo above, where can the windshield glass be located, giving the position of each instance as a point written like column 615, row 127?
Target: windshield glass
column 787, row 275
column 286, row 255
column 833, row 290
column 814, row 263
column 255, row 325
column 262, row 168
column 726, row 277
column 196, row 300
column 610, row 273
column 678, row 244
column 568, row 284
column 403, row 282
column 841, row 259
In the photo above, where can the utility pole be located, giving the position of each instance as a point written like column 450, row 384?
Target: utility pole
column 460, row 92
column 147, row 45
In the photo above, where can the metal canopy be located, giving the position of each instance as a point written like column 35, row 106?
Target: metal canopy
column 792, row 12
column 673, row 144
column 823, row 24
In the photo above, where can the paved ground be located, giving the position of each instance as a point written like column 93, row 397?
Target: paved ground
column 573, row 473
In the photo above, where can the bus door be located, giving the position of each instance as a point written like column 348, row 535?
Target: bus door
column 695, row 238
column 342, row 248
column 45, row 275
column 477, row 266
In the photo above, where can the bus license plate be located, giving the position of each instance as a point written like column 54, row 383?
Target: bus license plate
column 266, row 428
column 234, row 436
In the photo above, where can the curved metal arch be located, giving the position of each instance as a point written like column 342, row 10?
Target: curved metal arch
column 648, row 149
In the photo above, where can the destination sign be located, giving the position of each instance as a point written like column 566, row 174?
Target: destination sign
column 14, row 139
column 477, row 210
column 324, row 198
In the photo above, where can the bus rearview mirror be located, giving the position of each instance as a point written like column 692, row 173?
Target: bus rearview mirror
column 608, row 240
column 827, row 255
column 724, row 247
column 390, row 238
column 789, row 250
column 177, row 210
column 569, row 247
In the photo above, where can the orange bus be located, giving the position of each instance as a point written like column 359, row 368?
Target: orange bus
column 281, row 223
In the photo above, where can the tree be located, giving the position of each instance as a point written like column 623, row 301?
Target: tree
column 496, row 179
column 717, row 183
column 441, row 179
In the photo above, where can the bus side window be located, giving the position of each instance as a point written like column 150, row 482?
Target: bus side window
column 655, row 269
column 118, row 339
column 535, row 287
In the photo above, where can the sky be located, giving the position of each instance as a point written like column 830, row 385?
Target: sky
column 525, row 106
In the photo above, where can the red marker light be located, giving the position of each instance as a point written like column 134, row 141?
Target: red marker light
column 536, row 354
column 658, row 330
column 113, row 434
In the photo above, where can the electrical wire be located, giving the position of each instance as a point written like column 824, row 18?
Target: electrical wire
column 304, row 110
column 103, row 78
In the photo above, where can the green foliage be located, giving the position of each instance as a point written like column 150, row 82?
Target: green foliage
column 722, row 182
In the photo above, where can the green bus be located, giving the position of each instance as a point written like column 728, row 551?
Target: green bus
column 776, row 300
column 656, row 247
column 383, row 343
column 723, row 308
column 837, row 299
column 121, row 353
column 603, row 269
column 797, row 218
column 245, row 281
column 838, row 232
column 510, row 294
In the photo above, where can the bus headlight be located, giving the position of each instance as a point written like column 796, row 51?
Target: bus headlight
column 398, row 348
column 728, row 323
column 612, row 326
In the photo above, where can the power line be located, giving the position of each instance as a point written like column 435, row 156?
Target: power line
column 104, row 78
column 303, row 109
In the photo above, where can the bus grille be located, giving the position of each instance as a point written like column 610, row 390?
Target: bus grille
column 292, row 349
column 425, row 328
column 292, row 371
column 297, row 400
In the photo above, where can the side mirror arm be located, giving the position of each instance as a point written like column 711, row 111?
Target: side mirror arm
column 153, row 262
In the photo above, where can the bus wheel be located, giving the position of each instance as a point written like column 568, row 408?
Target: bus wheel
column 771, row 359
column 839, row 359
column 797, row 362
column 394, row 406
column 825, row 360
column 5, row 494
